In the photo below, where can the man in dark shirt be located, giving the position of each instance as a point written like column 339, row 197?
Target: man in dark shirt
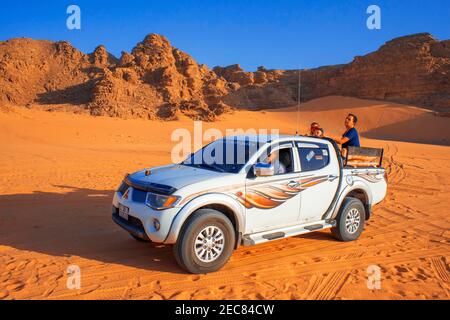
column 351, row 137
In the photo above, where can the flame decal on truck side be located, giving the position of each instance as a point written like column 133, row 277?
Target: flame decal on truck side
column 269, row 197
column 263, row 195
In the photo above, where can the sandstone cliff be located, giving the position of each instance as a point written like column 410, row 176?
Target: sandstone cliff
column 413, row 69
column 157, row 80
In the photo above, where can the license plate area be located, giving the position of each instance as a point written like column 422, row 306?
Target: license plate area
column 123, row 212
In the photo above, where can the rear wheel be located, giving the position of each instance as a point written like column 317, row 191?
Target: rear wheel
column 205, row 243
column 350, row 220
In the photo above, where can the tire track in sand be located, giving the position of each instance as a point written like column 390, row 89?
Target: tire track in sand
column 441, row 270
column 325, row 288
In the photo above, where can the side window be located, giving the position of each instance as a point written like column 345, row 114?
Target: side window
column 312, row 159
column 281, row 159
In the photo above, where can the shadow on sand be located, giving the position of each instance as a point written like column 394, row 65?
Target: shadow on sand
column 76, row 223
column 426, row 129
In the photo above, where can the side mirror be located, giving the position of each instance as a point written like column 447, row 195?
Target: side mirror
column 263, row 169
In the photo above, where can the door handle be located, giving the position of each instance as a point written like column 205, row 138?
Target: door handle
column 293, row 184
column 332, row 178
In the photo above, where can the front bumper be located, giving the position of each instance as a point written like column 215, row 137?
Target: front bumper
column 134, row 227
column 142, row 218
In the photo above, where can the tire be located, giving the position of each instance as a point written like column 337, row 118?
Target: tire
column 350, row 220
column 139, row 239
column 205, row 225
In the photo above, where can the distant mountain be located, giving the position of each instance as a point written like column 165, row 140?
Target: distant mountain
column 157, row 80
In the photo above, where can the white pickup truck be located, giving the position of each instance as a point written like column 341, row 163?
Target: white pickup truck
column 207, row 209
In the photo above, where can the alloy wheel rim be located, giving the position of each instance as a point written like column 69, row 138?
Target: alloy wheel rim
column 209, row 244
column 353, row 221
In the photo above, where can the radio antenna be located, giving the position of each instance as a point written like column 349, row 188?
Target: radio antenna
column 299, row 100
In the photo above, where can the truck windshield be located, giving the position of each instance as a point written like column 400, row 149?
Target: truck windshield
column 224, row 155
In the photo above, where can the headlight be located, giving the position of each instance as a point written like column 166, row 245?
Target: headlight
column 161, row 202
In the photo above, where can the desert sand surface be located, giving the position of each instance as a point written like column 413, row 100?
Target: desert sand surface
column 59, row 171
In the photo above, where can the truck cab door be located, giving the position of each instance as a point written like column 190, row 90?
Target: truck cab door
column 273, row 202
column 319, row 179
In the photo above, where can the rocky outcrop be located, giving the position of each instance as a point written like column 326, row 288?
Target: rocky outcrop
column 41, row 71
column 158, row 81
column 154, row 81
column 236, row 75
column 101, row 58
column 413, row 69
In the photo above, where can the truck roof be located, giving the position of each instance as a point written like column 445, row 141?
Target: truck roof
column 273, row 138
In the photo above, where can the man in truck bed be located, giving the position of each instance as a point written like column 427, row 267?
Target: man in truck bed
column 350, row 138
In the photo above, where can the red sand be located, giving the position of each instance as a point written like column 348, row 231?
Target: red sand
column 58, row 173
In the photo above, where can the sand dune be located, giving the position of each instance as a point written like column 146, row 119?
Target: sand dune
column 59, row 170
column 378, row 120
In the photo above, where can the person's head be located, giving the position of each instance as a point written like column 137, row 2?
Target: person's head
column 314, row 126
column 351, row 121
column 318, row 133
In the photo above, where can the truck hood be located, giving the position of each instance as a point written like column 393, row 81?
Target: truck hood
column 171, row 178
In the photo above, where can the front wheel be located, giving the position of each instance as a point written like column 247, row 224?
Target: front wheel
column 350, row 220
column 205, row 243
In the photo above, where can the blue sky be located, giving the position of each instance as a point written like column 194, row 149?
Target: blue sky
column 277, row 34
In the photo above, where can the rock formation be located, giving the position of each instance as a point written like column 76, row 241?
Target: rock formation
column 43, row 72
column 158, row 81
column 413, row 69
